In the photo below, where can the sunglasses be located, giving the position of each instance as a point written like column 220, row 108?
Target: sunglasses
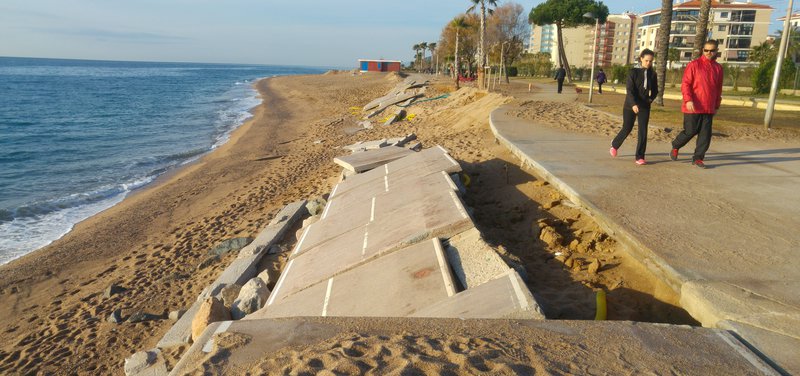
column 705, row 50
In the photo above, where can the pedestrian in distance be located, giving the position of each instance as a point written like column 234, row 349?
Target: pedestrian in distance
column 642, row 88
column 601, row 79
column 702, row 95
column 561, row 74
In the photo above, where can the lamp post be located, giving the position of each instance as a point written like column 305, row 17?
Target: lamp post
column 594, row 50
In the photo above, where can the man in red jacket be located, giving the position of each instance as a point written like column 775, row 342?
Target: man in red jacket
column 702, row 95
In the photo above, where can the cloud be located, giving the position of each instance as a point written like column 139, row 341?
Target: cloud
column 114, row 36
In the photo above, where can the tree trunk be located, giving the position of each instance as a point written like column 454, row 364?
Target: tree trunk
column 457, row 68
column 662, row 48
column 562, row 56
column 702, row 28
column 481, row 51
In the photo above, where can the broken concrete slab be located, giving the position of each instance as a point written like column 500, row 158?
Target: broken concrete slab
column 504, row 297
column 393, row 285
column 367, row 160
column 397, row 116
column 472, row 260
column 238, row 272
column 390, row 101
column 442, row 216
column 782, row 348
column 401, row 141
column 612, row 347
column 427, row 161
column 146, row 363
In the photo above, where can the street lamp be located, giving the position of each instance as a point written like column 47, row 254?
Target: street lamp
column 591, row 15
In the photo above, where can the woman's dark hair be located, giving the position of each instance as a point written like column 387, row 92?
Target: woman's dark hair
column 647, row 51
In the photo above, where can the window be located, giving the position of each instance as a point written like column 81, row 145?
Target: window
column 743, row 29
column 739, row 42
column 723, row 15
column 743, row 16
column 722, row 27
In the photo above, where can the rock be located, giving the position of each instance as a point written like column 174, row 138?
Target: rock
column 551, row 237
column 539, row 183
column 210, row 260
column 115, row 317
column 176, row 314
column 212, row 310
column 551, row 204
column 229, row 294
column 569, row 262
column 573, row 245
column 276, row 248
column 594, row 266
column 113, row 289
column 264, row 276
column 141, row 316
column 310, row 220
column 316, row 205
column 149, row 362
column 251, row 298
column 229, row 245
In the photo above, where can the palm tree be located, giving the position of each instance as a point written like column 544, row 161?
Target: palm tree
column 702, row 28
column 432, row 48
column 662, row 48
column 416, row 55
column 459, row 23
column 424, row 47
column 482, row 45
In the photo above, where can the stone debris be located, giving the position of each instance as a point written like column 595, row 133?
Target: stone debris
column 208, row 261
column 251, row 298
column 146, row 363
column 229, row 294
column 176, row 314
column 264, row 276
column 113, row 289
column 141, row 316
column 115, row 317
column 316, row 205
column 229, row 245
column 212, row 310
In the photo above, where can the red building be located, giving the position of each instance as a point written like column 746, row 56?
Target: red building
column 367, row 65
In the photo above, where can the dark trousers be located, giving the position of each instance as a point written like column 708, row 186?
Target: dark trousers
column 560, row 85
column 628, row 117
column 699, row 125
column 600, row 87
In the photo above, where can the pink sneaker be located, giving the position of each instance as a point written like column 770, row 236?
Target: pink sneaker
column 613, row 151
column 641, row 162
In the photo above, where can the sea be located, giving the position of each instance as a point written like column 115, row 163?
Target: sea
column 77, row 136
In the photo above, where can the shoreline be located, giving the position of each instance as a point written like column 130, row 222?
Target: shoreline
column 152, row 241
column 165, row 176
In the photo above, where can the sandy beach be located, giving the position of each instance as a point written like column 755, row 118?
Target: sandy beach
column 52, row 301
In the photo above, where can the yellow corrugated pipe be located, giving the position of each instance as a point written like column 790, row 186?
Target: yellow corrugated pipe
column 601, row 305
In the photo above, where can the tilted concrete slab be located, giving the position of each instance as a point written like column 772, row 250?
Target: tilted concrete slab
column 427, row 161
column 390, row 101
column 784, row 349
column 528, row 346
column 504, row 297
column 242, row 269
column 436, row 216
column 472, row 260
column 360, row 162
column 394, row 285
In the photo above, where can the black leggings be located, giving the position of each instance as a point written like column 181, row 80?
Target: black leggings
column 628, row 117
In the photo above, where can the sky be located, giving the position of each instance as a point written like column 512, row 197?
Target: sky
column 301, row 32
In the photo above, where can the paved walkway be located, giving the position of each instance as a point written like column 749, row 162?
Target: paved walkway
column 726, row 238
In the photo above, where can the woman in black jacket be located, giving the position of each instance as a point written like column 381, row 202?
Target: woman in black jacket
column 642, row 88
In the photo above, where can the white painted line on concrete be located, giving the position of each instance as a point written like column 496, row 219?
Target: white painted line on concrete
column 448, row 283
column 280, row 283
column 386, row 182
column 386, row 167
column 457, row 202
column 517, row 289
column 300, row 243
column 325, row 212
column 327, row 298
column 442, row 149
column 752, row 358
column 449, row 181
column 451, row 159
column 333, row 192
column 372, row 211
column 209, row 346
column 364, row 247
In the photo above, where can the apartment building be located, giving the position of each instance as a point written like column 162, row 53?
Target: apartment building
column 794, row 21
column 737, row 26
column 615, row 41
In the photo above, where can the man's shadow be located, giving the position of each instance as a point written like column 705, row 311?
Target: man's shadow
column 754, row 157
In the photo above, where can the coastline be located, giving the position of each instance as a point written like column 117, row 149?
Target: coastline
column 152, row 241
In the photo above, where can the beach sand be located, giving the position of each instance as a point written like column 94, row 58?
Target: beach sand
column 52, row 301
